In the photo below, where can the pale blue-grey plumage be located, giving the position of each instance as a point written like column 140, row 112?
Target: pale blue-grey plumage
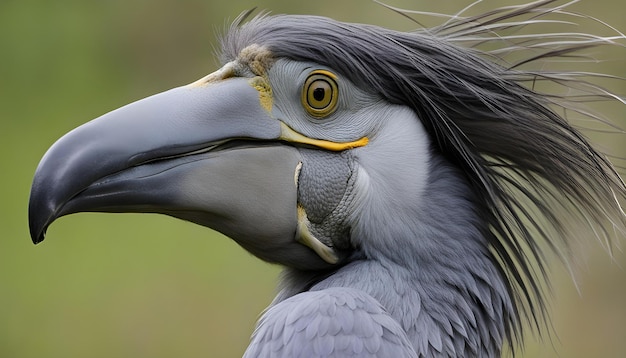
column 335, row 322
column 420, row 230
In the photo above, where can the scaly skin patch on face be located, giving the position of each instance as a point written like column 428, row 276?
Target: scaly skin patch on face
column 265, row 92
column 257, row 58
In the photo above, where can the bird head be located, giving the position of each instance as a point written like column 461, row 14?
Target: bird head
column 270, row 151
column 316, row 140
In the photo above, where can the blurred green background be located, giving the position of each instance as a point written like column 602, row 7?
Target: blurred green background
column 105, row 285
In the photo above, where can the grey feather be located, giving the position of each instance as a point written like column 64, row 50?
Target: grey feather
column 525, row 164
column 335, row 322
column 412, row 183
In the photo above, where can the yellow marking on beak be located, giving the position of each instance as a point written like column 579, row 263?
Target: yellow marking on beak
column 265, row 92
column 304, row 236
column 289, row 135
column 227, row 71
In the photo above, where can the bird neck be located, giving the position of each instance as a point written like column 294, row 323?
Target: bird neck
column 449, row 290
column 423, row 232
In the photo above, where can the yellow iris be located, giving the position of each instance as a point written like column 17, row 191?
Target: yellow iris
column 320, row 93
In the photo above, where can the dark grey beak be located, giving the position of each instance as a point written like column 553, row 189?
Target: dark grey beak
column 209, row 153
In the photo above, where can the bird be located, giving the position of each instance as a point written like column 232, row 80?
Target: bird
column 411, row 183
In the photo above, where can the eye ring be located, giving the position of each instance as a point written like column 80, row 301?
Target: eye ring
column 320, row 93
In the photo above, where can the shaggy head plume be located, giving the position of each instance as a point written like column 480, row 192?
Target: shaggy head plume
column 475, row 84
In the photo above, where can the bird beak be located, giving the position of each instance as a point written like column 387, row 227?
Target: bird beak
column 209, row 153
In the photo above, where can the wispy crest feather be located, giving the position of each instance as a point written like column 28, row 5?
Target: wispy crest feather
column 480, row 86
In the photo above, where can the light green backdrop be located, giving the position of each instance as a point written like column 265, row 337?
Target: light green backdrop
column 105, row 285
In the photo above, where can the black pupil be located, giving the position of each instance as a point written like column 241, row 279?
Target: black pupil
column 319, row 93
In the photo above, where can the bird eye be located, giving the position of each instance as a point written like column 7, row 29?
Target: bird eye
column 320, row 93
